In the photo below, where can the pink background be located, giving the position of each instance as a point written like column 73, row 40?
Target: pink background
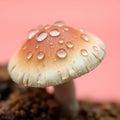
column 101, row 17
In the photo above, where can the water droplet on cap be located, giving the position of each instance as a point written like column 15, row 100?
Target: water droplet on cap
column 95, row 48
column 54, row 33
column 85, row 37
column 51, row 46
column 47, row 27
column 81, row 30
column 37, row 47
column 40, row 55
column 51, row 43
column 32, row 33
column 54, row 59
column 59, row 23
column 61, row 53
column 61, row 41
column 66, row 29
column 69, row 44
column 84, row 52
column 24, row 47
column 29, row 55
column 42, row 36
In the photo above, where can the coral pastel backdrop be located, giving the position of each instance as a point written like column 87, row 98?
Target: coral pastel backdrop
column 101, row 17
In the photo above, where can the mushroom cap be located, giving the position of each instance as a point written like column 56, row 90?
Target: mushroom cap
column 55, row 54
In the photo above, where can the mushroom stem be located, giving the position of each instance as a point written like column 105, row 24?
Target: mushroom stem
column 65, row 94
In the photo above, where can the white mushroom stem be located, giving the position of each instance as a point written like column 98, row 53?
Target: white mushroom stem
column 65, row 94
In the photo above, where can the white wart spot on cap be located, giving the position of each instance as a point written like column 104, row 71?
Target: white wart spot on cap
column 59, row 23
column 29, row 55
column 84, row 52
column 61, row 53
column 42, row 36
column 85, row 37
column 54, row 33
column 69, row 44
column 32, row 33
column 40, row 55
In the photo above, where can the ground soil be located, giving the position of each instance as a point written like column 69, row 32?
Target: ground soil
column 20, row 103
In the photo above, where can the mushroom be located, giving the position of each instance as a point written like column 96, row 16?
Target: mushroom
column 54, row 55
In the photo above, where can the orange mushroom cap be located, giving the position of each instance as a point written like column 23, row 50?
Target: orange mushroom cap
column 55, row 54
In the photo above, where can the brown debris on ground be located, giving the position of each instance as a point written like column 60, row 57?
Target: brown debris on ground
column 20, row 103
